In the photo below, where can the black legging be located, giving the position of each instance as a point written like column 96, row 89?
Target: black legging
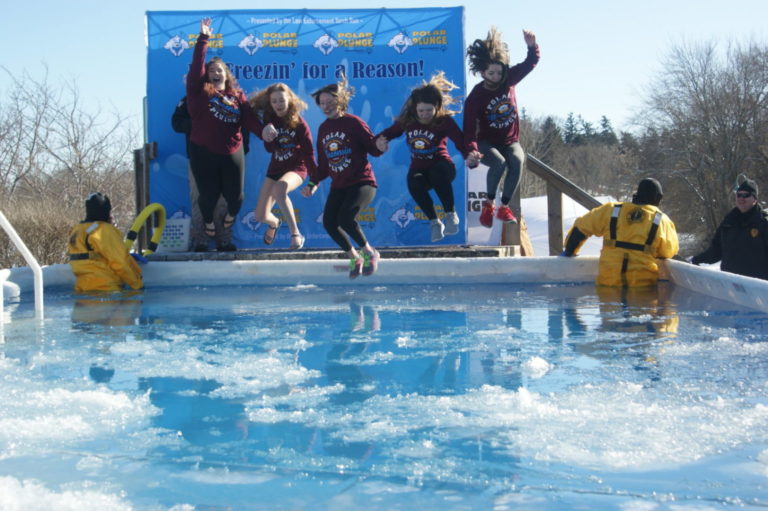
column 215, row 175
column 341, row 208
column 439, row 176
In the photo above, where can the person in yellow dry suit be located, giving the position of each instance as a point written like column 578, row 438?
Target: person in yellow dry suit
column 97, row 254
column 634, row 235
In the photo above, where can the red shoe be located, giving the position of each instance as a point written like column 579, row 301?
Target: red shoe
column 505, row 215
column 486, row 215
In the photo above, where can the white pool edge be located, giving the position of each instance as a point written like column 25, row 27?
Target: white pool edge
column 744, row 291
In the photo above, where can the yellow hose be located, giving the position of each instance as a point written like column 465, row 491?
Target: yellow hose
column 157, row 235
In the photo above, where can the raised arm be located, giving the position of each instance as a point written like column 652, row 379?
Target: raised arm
column 196, row 75
column 521, row 70
column 530, row 38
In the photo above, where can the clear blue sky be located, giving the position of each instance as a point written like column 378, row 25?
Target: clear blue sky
column 597, row 56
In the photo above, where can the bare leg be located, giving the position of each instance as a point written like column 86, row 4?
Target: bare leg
column 280, row 190
column 263, row 209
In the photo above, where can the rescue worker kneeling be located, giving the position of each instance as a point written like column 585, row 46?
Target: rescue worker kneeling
column 97, row 253
column 634, row 235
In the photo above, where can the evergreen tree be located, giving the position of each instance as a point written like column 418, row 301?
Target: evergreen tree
column 606, row 135
column 570, row 130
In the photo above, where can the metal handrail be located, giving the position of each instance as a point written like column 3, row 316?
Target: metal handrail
column 37, row 271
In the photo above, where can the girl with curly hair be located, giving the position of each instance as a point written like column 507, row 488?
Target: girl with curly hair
column 218, row 108
column 491, row 118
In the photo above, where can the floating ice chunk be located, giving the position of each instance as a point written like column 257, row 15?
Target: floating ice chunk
column 405, row 341
column 638, row 505
column 225, row 476
column 536, row 367
column 302, row 287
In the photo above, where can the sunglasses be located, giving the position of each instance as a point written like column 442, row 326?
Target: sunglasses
column 743, row 195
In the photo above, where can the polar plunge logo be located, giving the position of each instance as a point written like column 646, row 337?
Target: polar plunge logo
column 326, row 44
column 400, row 43
column 402, row 217
column 250, row 44
column 176, row 45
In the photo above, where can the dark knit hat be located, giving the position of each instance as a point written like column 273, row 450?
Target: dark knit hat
column 648, row 192
column 748, row 186
column 97, row 207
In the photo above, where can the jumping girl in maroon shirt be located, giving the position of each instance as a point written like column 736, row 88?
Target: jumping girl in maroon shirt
column 292, row 157
column 491, row 117
column 344, row 142
column 427, row 123
column 218, row 109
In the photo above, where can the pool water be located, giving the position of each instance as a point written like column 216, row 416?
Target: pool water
column 384, row 398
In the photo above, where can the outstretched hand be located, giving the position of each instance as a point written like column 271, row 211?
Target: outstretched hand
column 530, row 38
column 473, row 159
column 382, row 144
column 205, row 26
column 269, row 133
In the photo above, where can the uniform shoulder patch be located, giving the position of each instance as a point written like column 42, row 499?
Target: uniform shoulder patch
column 635, row 215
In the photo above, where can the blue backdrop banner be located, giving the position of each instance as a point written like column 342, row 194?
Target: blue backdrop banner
column 383, row 52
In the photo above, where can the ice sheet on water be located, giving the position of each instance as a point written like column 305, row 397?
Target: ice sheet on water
column 34, row 496
column 238, row 373
column 37, row 414
column 622, row 426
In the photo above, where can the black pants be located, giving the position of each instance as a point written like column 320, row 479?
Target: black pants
column 217, row 175
column 341, row 208
column 439, row 176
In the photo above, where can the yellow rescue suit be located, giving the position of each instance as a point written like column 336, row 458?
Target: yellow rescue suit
column 99, row 259
column 634, row 236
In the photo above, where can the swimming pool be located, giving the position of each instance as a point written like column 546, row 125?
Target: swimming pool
column 385, row 396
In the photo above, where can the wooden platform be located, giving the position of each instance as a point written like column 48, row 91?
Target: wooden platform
column 386, row 253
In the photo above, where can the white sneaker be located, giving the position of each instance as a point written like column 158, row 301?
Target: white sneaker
column 437, row 228
column 451, row 223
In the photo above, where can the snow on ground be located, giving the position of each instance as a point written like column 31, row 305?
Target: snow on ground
column 535, row 214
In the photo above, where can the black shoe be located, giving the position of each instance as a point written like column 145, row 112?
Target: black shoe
column 201, row 247
column 226, row 247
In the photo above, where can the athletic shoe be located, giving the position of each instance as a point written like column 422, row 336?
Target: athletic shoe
column 505, row 215
column 201, row 247
column 486, row 215
column 437, row 230
column 371, row 263
column 451, row 220
column 355, row 267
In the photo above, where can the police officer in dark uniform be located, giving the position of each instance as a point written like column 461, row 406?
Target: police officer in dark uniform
column 741, row 241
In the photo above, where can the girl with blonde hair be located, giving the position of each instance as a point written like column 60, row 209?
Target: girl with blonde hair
column 292, row 157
